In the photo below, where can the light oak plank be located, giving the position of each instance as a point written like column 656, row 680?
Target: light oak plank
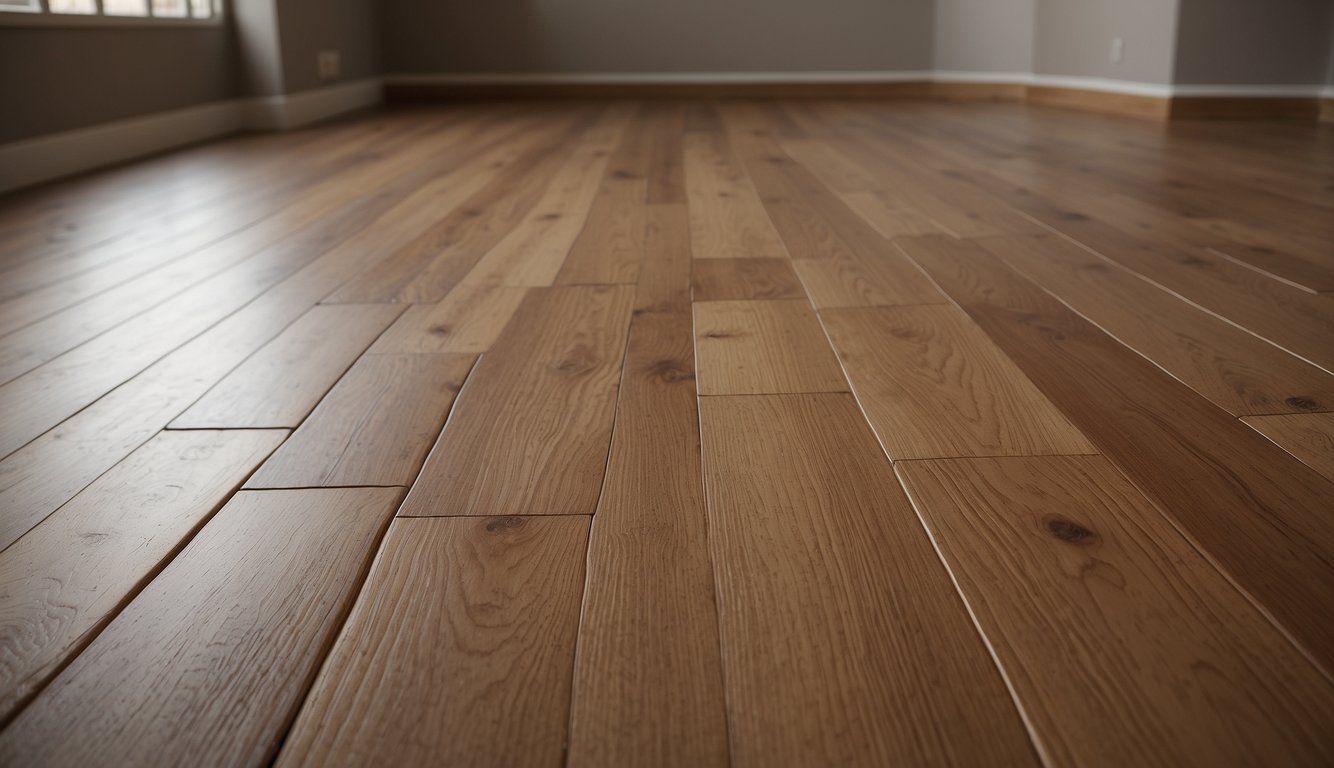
column 142, row 318
column 664, row 279
column 648, row 676
column 1308, row 436
column 610, row 247
column 458, row 651
column 429, row 265
column 842, row 260
column 468, row 320
column 735, row 279
column 763, row 347
column 208, row 664
column 727, row 220
column 280, row 384
column 532, row 253
column 892, row 215
column 40, row 399
column 64, row 579
column 52, row 468
column 1286, row 315
column 530, row 431
column 1234, row 369
column 1256, row 510
column 1123, row 644
column 373, row 428
column 934, row 386
column 869, row 657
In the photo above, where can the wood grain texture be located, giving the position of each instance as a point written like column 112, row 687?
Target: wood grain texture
column 763, row 347
column 533, row 251
column 1256, row 510
column 892, row 215
column 373, row 428
column 458, row 651
column 842, row 260
column 664, row 279
column 1308, row 436
column 280, row 384
column 468, row 320
column 530, row 431
column 427, row 267
column 34, row 403
column 209, row 663
column 64, row 579
column 727, row 220
column 933, row 386
column 1124, row 644
column 735, row 279
column 1289, row 316
column 648, row 676
column 1236, row 370
column 869, row 657
column 611, row 245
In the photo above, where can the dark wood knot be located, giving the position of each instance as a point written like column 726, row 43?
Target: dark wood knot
column 1070, row 531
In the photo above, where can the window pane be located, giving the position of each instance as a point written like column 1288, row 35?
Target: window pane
column 174, row 8
column 202, row 8
column 125, row 7
column 72, row 6
column 20, row 5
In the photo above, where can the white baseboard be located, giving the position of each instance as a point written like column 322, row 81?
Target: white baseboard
column 280, row 113
column 653, row 78
column 1109, row 85
column 33, row 161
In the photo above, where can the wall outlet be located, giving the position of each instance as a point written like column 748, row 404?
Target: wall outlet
column 329, row 64
column 1118, row 50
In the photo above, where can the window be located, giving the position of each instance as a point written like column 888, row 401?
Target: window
column 88, row 12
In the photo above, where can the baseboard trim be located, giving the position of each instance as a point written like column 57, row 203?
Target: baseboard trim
column 46, row 158
column 295, row 110
column 1108, row 96
column 32, row 161
column 667, row 85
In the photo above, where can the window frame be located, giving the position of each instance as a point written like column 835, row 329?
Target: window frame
column 41, row 16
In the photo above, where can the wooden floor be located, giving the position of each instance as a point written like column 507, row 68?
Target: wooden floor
column 675, row 433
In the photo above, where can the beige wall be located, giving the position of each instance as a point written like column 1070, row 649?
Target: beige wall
column 655, row 36
column 984, row 35
column 1283, row 42
column 1073, row 38
column 62, row 78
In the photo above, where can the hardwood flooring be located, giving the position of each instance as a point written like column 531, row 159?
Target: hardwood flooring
column 675, row 433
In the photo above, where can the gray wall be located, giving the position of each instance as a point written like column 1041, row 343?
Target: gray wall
column 310, row 26
column 1284, row 42
column 259, row 56
column 656, row 36
column 985, row 35
column 61, row 78
column 1073, row 37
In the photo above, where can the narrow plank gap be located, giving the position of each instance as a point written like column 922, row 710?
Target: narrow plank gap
column 530, row 431
column 282, row 382
column 374, row 428
column 1123, row 644
column 61, row 582
column 871, row 658
column 209, row 663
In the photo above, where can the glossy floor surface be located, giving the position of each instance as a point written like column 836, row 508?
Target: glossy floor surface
column 675, row 433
